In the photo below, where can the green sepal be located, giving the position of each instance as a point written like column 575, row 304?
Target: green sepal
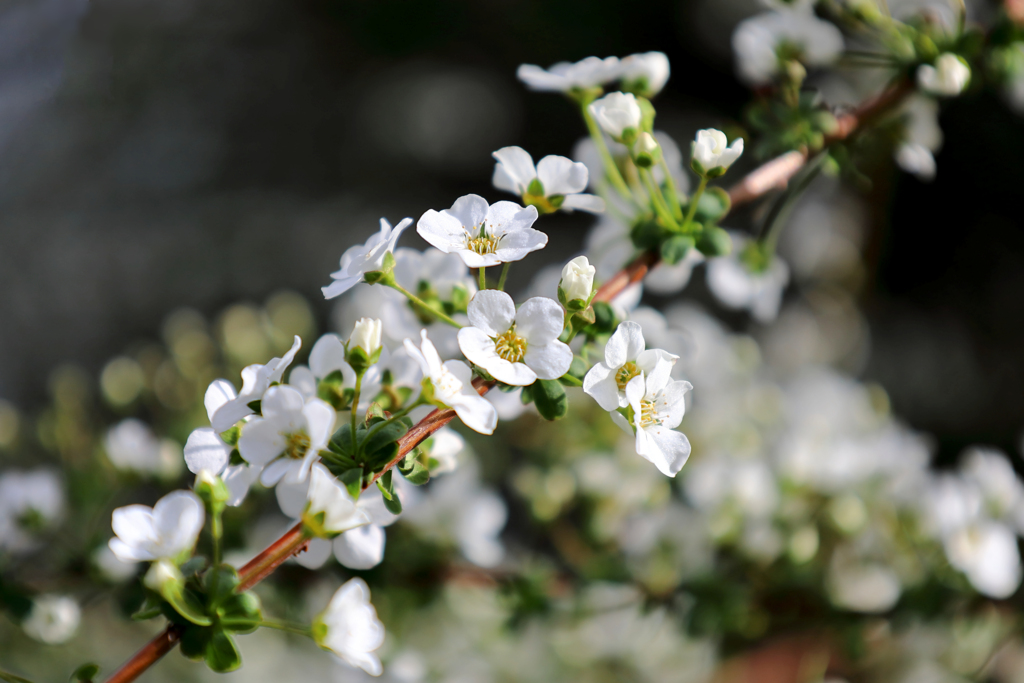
column 230, row 437
column 358, row 359
column 536, row 188
column 255, row 406
column 416, row 474
column 695, row 165
column 194, row 640
column 152, row 606
column 220, row 583
column 390, row 496
column 647, row 114
column 714, row 241
column 240, row 613
column 193, row 566
column 382, row 446
column 341, row 441
column 550, row 398
column 85, row 673
column 460, row 299
column 716, row 172
column 674, row 249
column 221, row 655
column 647, row 234
column 382, row 276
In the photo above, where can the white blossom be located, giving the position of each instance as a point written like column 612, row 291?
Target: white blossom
column 757, row 42
column 566, row 76
column 29, row 502
column 986, row 552
column 625, row 356
column 736, row 286
column 349, row 627
column 112, row 568
column 364, row 258
column 515, row 347
column 948, row 77
column 555, row 182
column 712, row 150
column 617, row 113
column 452, row 383
column 328, row 356
column 165, row 531
column 132, row 445
column 649, row 69
column 366, row 335
column 53, row 619
column 288, row 438
column 329, row 497
column 658, row 405
column 483, row 235
column 917, row 160
column 577, row 281
column 923, row 137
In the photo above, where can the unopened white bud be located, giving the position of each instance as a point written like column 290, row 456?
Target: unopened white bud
column 619, row 115
column 366, row 335
column 161, row 574
column 711, row 150
column 948, row 77
column 577, row 279
column 647, row 151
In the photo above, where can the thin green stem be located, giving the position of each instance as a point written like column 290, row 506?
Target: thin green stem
column 481, row 274
column 611, row 169
column 657, row 200
column 673, row 192
column 217, row 532
column 694, row 199
column 285, row 626
column 570, row 380
column 423, row 304
column 504, row 274
column 355, row 407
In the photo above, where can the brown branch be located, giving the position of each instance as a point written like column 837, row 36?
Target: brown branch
column 772, row 175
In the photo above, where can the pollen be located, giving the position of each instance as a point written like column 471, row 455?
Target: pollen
column 510, row 346
column 295, row 445
column 482, row 244
column 648, row 414
column 626, row 373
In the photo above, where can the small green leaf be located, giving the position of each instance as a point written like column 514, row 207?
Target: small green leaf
column 193, row 566
column 188, row 606
column 220, row 583
column 194, row 640
column 391, row 501
column 353, row 480
column 713, row 205
column 236, row 458
column 85, row 673
column 675, row 248
column 241, row 613
column 549, row 395
column 417, row 474
column 715, row 242
column 646, row 235
column 221, row 654
column 526, row 396
column 341, row 441
column 150, row 608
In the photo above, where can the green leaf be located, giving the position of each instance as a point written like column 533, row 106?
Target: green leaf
column 417, row 474
column 713, row 205
column 151, row 607
column 381, row 447
column 194, row 640
column 675, row 248
column 11, row 678
column 715, row 242
column 526, row 396
column 221, row 654
column 220, row 583
column 549, row 395
column 85, row 673
column 353, row 480
column 193, row 566
column 341, row 441
column 605, row 318
column 241, row 613
column 188, row 606
column 391, row 501
column 646, row 235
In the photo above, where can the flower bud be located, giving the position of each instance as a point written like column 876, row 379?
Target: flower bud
column 577, row 280
column 212, row 490
column 364, row 347
column 618, row 115
column 164, row 575
column 711, row 155
column 647, row 151
column 948, row 77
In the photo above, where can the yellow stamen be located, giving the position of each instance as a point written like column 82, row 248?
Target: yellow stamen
column 626, row 373
column 482, row 244
column 296, row 444
column 648, row 413
column 510, row 346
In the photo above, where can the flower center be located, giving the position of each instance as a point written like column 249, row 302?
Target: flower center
column 295, row 445
column 482, row 243
column 648, row 413
column 626, row 373
column 510, row 346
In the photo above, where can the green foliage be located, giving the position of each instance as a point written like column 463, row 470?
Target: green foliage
column 549, row 395
column 85, row 673
column 785, row 126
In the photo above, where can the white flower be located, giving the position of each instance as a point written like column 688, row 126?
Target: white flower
column 452, row 385
column 616, row 113
column 361, row 259
column 987, row 553
column 647, row 72
column 165, row 531
column 555, row 183
column 577, row 279
column 866, row 587
column 916, row 160
column 29, row 502
column 329, row 497
column 132, row 445
column 625, row 357
column 361, row 548
column 366, row 335
column 948, row 77
column 445, row 449
column 711, row 150
column 53, row 620
column 923, row 137
column 566, row 76
column 226, row 407
column 328, row 356
column 515, row 347
column 291, row 433
column 658, row 406
column 733, row 283
column 112, row 569
column 483, row 235
column 349, row 627
column 757, row 42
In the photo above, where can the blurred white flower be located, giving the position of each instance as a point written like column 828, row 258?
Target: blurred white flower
column 763, row 41
column 483, row 235
column 515, row 347
column 166, row 531
column 916, row 160
column 361, row 259
column 986, row 552
column 329, row 497
column 646, row 72
column 452, row 384
column 445, row 449
column 53, row 620
column 328, row 356
column 948, row 77
column 625, row 356
column 577, row 280
column 923, row 138
column 618, row 115
column 288, row 438
column 30, row 502
column 132, row 445
column 567, row 76
column 712, row 150
column 658, row 405
column 113, row 569
column 736, row 286
column 349, row 627
column 555, row 183
column 865, row 587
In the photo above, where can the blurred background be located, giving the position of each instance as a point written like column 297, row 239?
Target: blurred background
column 157, row 155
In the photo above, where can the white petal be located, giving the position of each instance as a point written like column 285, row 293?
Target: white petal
column 600, row 384
column 441, row 230
column 540, row 320
column 515, row 374
column 302, row 379
column 616, row 350
column 218, row 393
column 671, row 450
column 560, row 175
column 291, row 498
column 360, row 548
column 491, row 311
column 549, row 361
column 635, row 392
column 260, row 441
column 238, row 479
column 341, row 285
column 230, row 413
column 319, row 422
column 469, row 210
column 282, row 401
column 583, row 202
column 620, row 420
column 505, row 218
column 517, row 165
column 205, row 450
column 316, row 554
column 477, row 346
column 326, row 356
column 476, row 412
column 278, row 470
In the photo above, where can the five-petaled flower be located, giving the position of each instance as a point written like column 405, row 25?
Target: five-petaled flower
column 625, row 357
column 167, row 530
column 554, row 183
column 451, row 386
column 515, row 347
column 364, row 258
column 483, row 235
column 655, row 408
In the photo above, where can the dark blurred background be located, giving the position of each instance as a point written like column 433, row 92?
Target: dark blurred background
column 156, row 154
